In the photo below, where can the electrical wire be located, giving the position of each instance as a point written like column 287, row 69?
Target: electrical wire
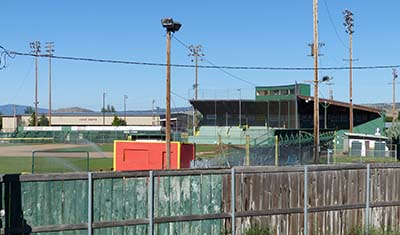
column 333, row 26
column 179, row 96
column 209, row 66
column 218, row 67
column 3, row 57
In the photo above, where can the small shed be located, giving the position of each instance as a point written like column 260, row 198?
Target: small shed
column 151, row 155
column 366, row 145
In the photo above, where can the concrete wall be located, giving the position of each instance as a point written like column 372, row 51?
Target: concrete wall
column 10, row 123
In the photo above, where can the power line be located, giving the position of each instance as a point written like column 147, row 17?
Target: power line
column 3, row 57
column 179, row 96
column 214, row 65
column 13, row 53
column 333, row 25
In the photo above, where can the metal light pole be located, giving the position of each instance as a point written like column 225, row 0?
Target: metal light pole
column 330, row 92
column 104, row 109
column 49, row 49
column 326, row 105
column 125, row 97
column 394, row 73
column 153, row 122
column 240, row 107
column 171, row 27
column 348, row 18
column 196, row 52
column 35, row 46
column 316, row 99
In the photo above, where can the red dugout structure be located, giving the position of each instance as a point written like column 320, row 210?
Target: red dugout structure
column 144, row 155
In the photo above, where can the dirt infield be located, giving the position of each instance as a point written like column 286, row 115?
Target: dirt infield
column 26, row 150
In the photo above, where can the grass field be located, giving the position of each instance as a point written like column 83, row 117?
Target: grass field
column 17, row 158
column 347, row 159
column 90, row 148
column 10, row 165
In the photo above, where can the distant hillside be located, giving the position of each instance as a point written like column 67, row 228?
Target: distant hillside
column 8, row 109
column 387, row 107
column 73, row 110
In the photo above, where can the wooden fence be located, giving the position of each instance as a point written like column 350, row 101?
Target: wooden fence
column 329, row 200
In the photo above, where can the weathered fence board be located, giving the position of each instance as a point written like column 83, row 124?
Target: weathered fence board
column 341, row 192
column 201, row 203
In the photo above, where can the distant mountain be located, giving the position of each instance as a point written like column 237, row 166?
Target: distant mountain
column 8, row 109
column 387, row 107
column 73, row 110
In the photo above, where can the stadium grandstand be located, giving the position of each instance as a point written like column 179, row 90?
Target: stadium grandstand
column 282, row 112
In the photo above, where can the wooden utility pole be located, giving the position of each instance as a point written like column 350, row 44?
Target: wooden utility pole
column 35, row 46
column 394, row 113
column 171, row 27
column 49, row 50
column 316, row 99
column 168, row 103
column 348, row 18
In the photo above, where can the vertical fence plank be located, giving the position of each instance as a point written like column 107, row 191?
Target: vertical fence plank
column 163, row 204
column 216, row 192
column 196, row 203
column 186, row 202
column 206, row 199
column 130, row 203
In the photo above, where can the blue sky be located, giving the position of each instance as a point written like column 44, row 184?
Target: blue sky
column 232, row 33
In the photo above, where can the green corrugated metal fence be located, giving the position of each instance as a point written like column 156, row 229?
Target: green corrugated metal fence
column 51, row 203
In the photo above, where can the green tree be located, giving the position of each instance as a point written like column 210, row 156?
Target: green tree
column 1, row 121
column 109, row 109
column 118, row 121
column 43, row 120
column 29, row 110
column 31, row 120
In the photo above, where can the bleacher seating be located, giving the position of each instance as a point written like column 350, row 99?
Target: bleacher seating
column 230, row 135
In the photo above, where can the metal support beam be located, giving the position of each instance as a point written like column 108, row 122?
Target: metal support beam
column 90, row 203
column 233, row 201
column 150, row 200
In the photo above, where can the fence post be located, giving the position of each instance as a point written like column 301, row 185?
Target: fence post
column 87, row 161
column 151, row 203
column 233, row 201
column 247, row 150
column 33, row 161
column 367, row 199
column 220, row 149
column 305, row 200
column 276, row 150
column 90, row 203
column 329, row 156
